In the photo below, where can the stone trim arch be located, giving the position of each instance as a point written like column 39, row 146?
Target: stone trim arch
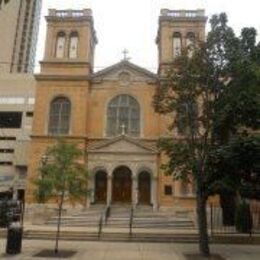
column 96, row 169
column 144, row 169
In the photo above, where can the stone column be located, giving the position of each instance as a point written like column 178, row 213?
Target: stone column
column 134, row 191
column 91, row 199
column 154, row 192
column 109, row 188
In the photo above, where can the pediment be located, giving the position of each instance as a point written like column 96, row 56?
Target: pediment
column 121, row 144
column 124, row 71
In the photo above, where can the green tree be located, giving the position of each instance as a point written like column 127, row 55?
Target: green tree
column 219, row 81
column 62, row 176
column 238, row 162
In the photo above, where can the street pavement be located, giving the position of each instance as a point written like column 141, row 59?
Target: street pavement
column 130, row 251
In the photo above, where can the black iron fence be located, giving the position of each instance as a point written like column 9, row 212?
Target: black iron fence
column 224, row 221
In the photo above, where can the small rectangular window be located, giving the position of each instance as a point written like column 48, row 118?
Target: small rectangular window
column 6, row 163
column 6, row 150
column 29, row 114
column 7, row 138
column 10, row 119
column 168, row 190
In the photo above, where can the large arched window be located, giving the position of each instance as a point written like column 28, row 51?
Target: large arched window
column 123, row 116
column 73, row 45
column 187, row 117
column 176, row 42
column 60, row 45
column 59, row 117
column 190, row 41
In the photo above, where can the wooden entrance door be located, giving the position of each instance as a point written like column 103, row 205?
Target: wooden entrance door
column 144, row 188
column 122, row 185
column 101, row 187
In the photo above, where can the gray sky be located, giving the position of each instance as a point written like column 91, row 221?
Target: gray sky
column 132, row 24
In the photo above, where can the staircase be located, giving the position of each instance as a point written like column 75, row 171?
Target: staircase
column 145, row 217
column 84, row 218
column 119, row 217
column 147, row 226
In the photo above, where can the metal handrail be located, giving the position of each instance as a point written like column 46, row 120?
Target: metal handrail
column 100, row 226
column 103, row 220
column 107, row 213
column 131, row 221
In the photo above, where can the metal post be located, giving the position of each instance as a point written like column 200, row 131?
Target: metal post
column 211, row 220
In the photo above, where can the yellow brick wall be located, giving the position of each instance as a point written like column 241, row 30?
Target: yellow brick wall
column 76, row 91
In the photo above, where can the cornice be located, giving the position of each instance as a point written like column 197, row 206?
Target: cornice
column 49, row 77
column 52, row 137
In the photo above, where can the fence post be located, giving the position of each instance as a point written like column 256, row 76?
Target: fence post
column 131, row 222
column 211, row 220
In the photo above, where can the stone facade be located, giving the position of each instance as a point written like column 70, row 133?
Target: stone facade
column 90, row 94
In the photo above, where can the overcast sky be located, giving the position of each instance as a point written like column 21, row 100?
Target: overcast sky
column 133, row 24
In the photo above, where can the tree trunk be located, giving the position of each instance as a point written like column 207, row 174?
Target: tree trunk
column 58, row 228
column 202, row 225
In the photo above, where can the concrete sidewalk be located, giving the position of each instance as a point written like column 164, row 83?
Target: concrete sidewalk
column 131, row 251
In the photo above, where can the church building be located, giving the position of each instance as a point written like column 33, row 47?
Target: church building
column 109, row 113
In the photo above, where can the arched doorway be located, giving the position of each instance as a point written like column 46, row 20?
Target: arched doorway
column 144, row 188
column 101, row 187
column 122, row 185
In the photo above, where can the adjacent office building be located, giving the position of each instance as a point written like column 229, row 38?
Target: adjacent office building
column 19, row 24
column 16, row 114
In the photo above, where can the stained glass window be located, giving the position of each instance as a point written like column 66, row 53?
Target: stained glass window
column 123, row 116
column 60, row 45
column 176, row 44
column 73, row 48
column 59, row 118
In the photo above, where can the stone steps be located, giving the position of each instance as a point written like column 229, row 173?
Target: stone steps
column 88, row 218
column 109, row 236
column 144, row 217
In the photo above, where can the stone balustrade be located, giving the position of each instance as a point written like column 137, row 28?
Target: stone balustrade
column 183, row 13
column 70, row 13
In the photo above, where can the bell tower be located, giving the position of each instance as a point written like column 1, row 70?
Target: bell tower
column 178, row 29
column 70, row 43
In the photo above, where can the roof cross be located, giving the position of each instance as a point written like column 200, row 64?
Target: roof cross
column 125, row 52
